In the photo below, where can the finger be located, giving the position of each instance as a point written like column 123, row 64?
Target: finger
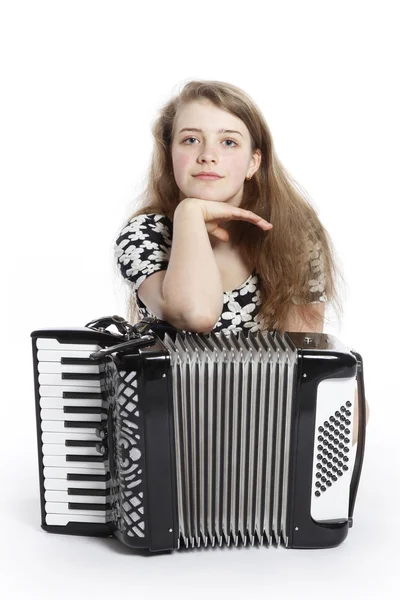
column 241, row 213
column 262, row 222
column 221, row 234
column 265, row 225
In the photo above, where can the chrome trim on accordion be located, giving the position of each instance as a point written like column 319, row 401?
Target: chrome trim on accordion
column 170, row 439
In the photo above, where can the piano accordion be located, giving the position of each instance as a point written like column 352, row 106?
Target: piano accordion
column 169, row 439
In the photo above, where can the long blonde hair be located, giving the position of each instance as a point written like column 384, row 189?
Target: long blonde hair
column 281, row 256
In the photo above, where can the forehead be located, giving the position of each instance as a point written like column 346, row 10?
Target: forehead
column 208, row 117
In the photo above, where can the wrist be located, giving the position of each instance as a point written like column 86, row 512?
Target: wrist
column 187, row 205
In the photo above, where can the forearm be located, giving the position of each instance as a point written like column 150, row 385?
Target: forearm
column 192, row 285
column 355, row 423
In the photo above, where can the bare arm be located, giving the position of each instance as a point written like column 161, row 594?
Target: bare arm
column 192, row 285
column 355, row 425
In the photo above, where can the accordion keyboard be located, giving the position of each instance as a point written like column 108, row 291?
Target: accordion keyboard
column 73, row 412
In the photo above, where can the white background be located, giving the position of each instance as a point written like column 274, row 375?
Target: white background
column 81, row 83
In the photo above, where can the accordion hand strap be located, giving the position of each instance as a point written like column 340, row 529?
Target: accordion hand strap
column 362, row 424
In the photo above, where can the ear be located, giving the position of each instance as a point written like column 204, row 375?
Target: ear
column 256, row 160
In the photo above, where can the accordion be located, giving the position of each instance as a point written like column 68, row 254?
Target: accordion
column 169, row 439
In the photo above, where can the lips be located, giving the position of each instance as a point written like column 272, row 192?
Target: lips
column 208, row 174
column 208, row 177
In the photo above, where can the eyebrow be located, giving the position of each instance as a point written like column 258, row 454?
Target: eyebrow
column 219, row 130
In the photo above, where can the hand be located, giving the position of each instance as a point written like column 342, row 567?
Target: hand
column 215, row 212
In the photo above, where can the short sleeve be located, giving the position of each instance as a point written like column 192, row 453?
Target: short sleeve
column 143, row 247
column 316, row 282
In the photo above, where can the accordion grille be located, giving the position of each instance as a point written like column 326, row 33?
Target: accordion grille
column 232, row 399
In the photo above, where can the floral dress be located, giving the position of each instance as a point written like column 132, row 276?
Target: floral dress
column 143, row 247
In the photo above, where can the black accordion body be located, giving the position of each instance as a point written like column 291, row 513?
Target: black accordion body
column 170, row 439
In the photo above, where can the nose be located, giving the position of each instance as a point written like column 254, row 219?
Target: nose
column 207, row 156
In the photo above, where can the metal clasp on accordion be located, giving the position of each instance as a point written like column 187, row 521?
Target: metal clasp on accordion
column 134, row 335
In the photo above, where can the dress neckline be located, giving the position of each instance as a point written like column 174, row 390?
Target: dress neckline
column 243, row 284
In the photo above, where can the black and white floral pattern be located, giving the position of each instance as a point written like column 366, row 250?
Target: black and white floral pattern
column 317, row 283
column 143, row 247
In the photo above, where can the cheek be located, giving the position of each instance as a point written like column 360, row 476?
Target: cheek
column 181, row 161
column 237, row 167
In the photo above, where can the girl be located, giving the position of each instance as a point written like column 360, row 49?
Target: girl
column 224, row 268
column 236, row 248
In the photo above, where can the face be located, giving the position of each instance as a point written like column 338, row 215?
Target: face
column 226, row 153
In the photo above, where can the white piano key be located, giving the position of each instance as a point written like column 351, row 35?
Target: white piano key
column 61, row 461
column 62, row 472
column 56, row 356
column 56, row 379
column 50, row 414
column 62, row 450
column 62, row 508
column 56, row 391
column 53, row 344
column 61, row 496
column 61, row 438
column 55, row 367
column 49, row 402
column 58, row 426
column 63, row 520
column 65, row 484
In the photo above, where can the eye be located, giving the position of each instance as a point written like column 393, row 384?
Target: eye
column 231, row 141
column 186, row 139
column 193, row 138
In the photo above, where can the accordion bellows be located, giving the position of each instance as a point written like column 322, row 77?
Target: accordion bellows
column 181, row 440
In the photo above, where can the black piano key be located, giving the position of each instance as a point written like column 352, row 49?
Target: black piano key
column 83, row 458
column 87, row 492
column 81, row 424
column 89, row 410
column 83, row 477
column 70, row 360
column 83, row 395
column 87, row 376
column 83, row 506
column 81, row 443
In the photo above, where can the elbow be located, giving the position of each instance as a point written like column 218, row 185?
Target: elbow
column 190, row 318
column 199, row 323
column 200, row 319
column 209, row 328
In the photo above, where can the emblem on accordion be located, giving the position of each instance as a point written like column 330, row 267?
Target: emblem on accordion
column 169, row 439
